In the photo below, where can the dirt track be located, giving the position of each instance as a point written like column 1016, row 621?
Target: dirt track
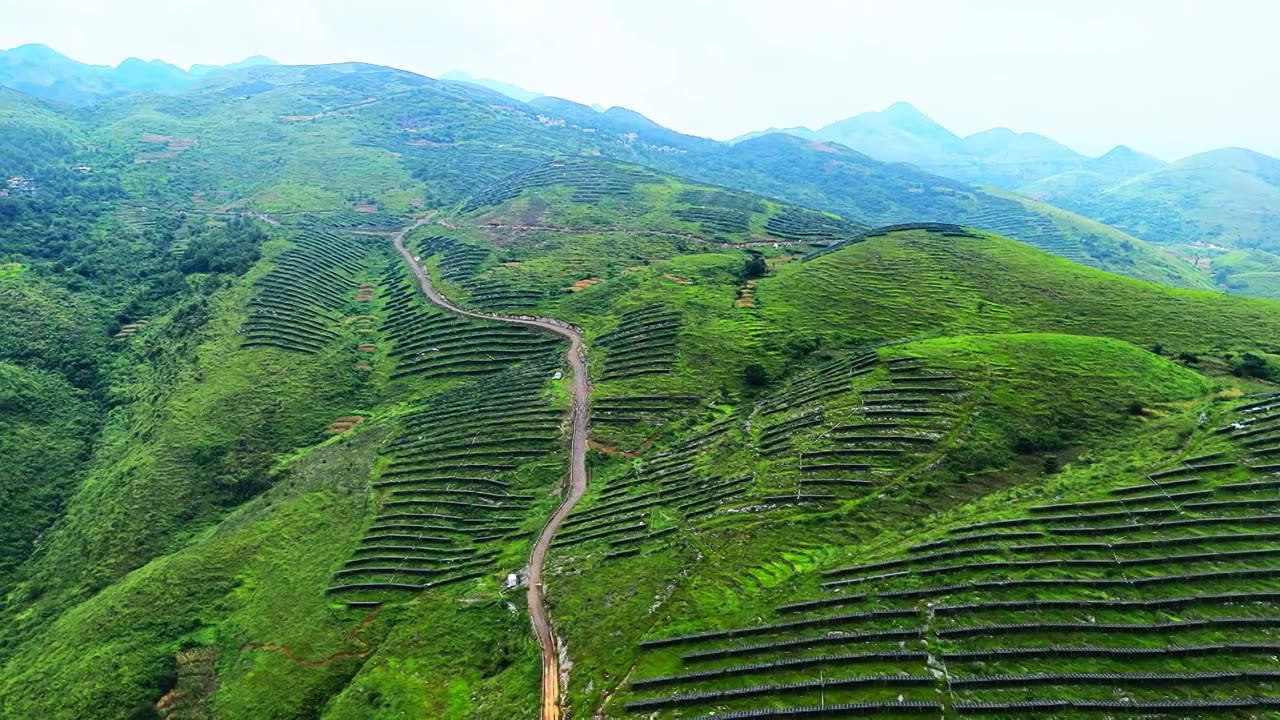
column 578, row 419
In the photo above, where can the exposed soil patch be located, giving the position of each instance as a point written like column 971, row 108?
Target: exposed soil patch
column 363, row 367
column 609, row 449
column 634, row 268
column 583, row 284
column 431, row 143
column 344, row 424
column 746, row 295
column 822, row 147
column 366, row 208
column 677, row 280
column 367, row 347
column 130, row 329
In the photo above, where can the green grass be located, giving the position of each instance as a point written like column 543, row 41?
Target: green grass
column 912, row 285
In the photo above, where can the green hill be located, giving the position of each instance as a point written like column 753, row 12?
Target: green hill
column 250, row 471
column 1199, row 207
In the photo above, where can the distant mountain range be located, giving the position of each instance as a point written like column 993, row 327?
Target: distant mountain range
column 1209, row 207
column 1221, row 199
column 999, row 156
column 1228, row 197
column 43, row 72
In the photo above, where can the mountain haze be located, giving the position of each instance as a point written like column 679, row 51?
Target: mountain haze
column 999, row 156
column 43, row 72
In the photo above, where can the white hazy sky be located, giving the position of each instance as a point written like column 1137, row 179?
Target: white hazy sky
column 1171, row 77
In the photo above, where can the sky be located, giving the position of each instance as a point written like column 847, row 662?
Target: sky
column 1169, row 77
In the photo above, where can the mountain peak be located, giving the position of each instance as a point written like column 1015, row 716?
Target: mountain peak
column 903, row 109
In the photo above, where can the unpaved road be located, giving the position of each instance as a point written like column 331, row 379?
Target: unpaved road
column 578, row 420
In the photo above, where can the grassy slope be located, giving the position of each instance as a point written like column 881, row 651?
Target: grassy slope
column 911, row 284
column 1226, row 198
column 148, row 565
column 44, row 424
column 1106, row 248
column 725, row 571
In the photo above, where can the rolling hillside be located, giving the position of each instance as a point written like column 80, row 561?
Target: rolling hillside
column 288, row 417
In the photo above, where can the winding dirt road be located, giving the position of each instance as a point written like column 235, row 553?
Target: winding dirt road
column 578, row 420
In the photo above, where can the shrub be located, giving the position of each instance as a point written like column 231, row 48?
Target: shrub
column 1050, row 465
column 1136, row 408
column 1254, row 366
column 755, row 375
column 756, row 267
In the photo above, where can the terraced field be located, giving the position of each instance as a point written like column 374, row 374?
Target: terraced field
column 462, row 478
column 1147, row 598
column 427, row 342
column 300, row 303
column 644, row 343
column 590, row 180
column 815, row 442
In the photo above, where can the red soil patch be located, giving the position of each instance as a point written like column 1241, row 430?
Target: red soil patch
column 512, row 263
column 583, row 284
column 822, row 147
column 609, row 449
column 344, row 424
column 367, row 347
column 363, row 367
column 677, row 280
column 634, row 268
column 366, row 208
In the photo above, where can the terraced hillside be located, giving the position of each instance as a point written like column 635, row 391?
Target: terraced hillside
column 1091, row 597
column 910, row 469
column 586, row 194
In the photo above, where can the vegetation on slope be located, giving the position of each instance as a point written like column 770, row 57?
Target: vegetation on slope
column 223, row 555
